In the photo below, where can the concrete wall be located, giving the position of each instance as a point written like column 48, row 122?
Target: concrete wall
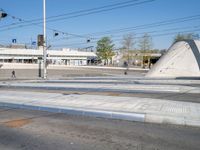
column 181, row 60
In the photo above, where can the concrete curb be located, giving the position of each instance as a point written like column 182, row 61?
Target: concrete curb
column 137, row 89
column 162, row 119
column 139, row 117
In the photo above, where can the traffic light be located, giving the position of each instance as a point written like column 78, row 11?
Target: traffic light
column 3, row 15
column 56, row 34
column 40, row 40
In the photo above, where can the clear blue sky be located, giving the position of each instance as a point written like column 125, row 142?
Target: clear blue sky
column 156, row 11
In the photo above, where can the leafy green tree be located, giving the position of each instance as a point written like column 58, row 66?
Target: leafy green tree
column 105, row 49
column 145, row 43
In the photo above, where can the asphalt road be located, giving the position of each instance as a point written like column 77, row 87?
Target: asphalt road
column 34, row 130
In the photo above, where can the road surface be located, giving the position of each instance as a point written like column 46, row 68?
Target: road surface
column 35, row 130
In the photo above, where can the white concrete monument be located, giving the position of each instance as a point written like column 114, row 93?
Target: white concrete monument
column 181, row 60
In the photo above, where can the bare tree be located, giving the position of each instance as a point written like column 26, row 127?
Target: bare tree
column 145, row 46
column 128, row 43
column 188, row 36
column 145, row 43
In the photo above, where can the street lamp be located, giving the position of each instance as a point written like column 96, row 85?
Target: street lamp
column 44, row 42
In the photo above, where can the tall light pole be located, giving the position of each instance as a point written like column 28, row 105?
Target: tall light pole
column 44, row 42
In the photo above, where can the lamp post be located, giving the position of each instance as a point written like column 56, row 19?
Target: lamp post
column 44, row 42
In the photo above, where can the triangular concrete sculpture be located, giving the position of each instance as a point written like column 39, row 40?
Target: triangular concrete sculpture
column 181, row 60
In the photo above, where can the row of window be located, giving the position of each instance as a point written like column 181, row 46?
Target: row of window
column 19, row 55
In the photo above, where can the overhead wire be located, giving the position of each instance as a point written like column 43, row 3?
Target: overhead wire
column 135, row 33
column 172, row 21
column 145, row 26
column 84, row 12
column 48, row 28
column 139, row 37
column 113, row 31
column 7, row 27
column 155, row 24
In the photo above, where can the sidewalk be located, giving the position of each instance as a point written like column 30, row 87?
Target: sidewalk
column 100, row 85
column 114, row 107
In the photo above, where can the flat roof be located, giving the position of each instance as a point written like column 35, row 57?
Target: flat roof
column 37, row 52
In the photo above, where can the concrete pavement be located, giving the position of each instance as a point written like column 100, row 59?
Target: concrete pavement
column 61, row 71
column 125, row 108
column 117, row 97
column 107, row 84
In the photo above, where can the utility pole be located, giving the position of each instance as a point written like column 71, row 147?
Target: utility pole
column 44, row 43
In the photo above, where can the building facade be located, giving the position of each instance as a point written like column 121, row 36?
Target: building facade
column 34, row 56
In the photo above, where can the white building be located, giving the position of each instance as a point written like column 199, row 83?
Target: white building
column 181, row 60
column 34, row 56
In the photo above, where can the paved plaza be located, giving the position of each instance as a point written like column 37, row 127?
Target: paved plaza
column 109, row 97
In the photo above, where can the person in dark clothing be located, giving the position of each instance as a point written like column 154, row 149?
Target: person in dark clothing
column 13, row 74
column 126, row 66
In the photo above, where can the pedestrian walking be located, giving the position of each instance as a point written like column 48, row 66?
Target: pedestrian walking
column 126, row 66
column 13, row 74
